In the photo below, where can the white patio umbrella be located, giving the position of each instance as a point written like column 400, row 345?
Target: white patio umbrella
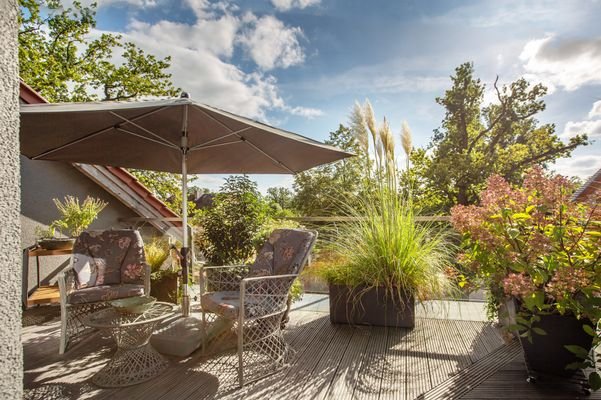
column 175, row 135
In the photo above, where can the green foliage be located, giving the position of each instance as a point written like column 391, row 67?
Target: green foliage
column 533, row 243
column 321, row 190
column 280, row 196
column 229, row 228
column 167, row 187
column 76, row 216
column 475, row 141
column 59, row 59
column 383, row 245
column 156, row 252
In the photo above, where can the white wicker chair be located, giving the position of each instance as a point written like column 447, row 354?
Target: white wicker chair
column 105, row 265
column 253, row 300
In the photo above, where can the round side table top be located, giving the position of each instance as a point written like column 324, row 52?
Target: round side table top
column 111, row 318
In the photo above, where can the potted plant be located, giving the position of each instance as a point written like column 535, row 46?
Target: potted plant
column 387, row 260
column 536, row 247
column 164, row 280
column 75, row 218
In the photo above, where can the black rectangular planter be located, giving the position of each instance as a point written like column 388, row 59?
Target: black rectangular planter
column 369, row 306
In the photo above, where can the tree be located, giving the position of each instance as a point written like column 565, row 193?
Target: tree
column 59, row 59
column 281, row 196
column 321, row 190
column 228, row 229
column 475, row 141
column 167, row 187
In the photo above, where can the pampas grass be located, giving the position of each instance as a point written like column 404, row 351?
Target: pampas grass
column 383, row 245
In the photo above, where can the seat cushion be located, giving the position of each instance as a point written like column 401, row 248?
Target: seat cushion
column 104, row 293
column 226, row 304
column 285, row 252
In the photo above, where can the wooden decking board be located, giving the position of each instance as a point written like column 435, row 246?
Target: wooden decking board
column 370, row 376
column 317, row 383
column 436, row 360
column 417, row 374
column 396, row 364
column 467, row 378
column 510, row 380
column 342, row 384
column 442, row 362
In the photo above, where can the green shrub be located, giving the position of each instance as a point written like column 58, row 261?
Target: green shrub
column 76, row 216
column 228, row 229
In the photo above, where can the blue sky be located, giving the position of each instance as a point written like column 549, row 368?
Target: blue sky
column 301, row 64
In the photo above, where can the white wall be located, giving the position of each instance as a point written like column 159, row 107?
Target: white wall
column 11, row 358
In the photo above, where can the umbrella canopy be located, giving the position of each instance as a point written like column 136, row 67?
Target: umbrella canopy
column 151, row 135
column 177, row 135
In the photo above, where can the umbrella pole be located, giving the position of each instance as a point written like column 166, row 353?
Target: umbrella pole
column 185, row 249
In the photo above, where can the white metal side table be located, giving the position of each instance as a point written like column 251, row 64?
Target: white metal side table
column 135, row 360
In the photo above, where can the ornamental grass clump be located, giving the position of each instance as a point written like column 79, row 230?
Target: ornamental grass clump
column 383, row 246
column 534, row 244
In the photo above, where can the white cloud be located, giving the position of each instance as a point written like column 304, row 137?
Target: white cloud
column 285, row 5
column 581, row 166
column 271, row 44
column 596, row 110
column 201, row 55
column 568, row 64
column 591, row 128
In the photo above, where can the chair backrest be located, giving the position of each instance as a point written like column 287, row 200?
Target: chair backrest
column 285, row 252
column 108, row 258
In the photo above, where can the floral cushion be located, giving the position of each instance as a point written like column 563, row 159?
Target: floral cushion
column 226, row 304
column 108, row 258
column 284, row 252
column 104, row 293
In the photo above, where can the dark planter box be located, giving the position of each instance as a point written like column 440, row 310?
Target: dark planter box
column 547, row 354
column 165, row 289
column 57, row 244
column 362, row 306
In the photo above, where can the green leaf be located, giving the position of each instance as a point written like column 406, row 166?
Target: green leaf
column 539, row 331
column 594, row 380
column 579, row 351
column 521, row 216
column 513, row 232
column 589, row 329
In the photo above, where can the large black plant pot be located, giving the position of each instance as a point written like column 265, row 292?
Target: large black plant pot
column 369, row 306
column 547, row 354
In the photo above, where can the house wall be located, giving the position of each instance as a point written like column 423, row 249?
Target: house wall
column 41, row 181
column 11, row 378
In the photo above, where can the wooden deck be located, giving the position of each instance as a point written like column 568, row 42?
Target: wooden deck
column 451, row 354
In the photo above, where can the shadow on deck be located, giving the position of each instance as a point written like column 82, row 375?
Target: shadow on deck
column 451, row 354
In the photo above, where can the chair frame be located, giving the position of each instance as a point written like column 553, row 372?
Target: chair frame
column 72, row 326
column 263, row 303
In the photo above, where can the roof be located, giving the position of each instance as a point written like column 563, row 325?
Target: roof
column 120, row 183
column 591, row 185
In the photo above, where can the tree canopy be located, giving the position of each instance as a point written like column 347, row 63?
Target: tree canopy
column 476, row 140
column 62, row 58
column 320, row 190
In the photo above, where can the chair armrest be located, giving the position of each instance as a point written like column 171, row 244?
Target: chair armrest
column 66, row 284
column 265, row 295
column 223, row 278
column 147, row 271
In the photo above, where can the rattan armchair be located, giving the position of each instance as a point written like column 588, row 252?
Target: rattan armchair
column 105, row 265
column 253, row 299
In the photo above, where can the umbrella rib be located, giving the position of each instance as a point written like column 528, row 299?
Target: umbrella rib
column 216, row 145
column 91, row 135
column 128, row 121
column 167, row 144
column 71, row 143
column 276, row 161
column 203, row 145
